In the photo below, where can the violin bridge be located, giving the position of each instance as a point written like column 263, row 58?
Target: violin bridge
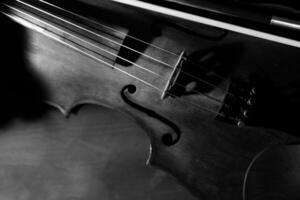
column 174, row 75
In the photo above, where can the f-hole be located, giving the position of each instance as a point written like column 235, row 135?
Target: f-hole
column 167, row 138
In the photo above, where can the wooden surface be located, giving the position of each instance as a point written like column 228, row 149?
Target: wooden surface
column 275, row 175
column 58, row 162
column 96, row 154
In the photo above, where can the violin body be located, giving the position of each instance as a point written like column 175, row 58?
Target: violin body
column 208, row 156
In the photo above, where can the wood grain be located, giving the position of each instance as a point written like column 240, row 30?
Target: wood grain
column 97, row 154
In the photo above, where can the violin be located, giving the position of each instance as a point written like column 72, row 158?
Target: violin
column 205, row 117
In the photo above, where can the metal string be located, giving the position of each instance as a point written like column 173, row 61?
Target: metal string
column 108, row 27
column 127, row 35
column 113, row 54
column 113, row 67
column 94, row 33
column 137, row 39
column 108, row 64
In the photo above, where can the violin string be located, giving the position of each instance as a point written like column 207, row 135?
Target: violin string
column 210, row 84
column 113, row 54
column 177, row 98
column 127, row 35
column 128, row 74
column 145, row 82
column 85, row 41
column 135, row 38
column 93, row 33
column 110, row 28
column 105, row 38
column 58, row 39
